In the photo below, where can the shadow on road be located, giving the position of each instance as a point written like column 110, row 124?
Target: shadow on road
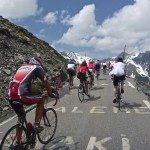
column 61, row 143
column 102, row 79
column 92, row 98
column 98, row 88
column 130, row 105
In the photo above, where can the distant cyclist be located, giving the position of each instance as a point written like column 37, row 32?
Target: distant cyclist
column 71, row 70
column 104, row 67
column 118, row 73
column 97, row 68
column 83, row 75
column 20, row 91
column 91, row 68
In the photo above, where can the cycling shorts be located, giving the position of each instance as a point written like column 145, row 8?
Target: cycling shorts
column 104, row 67
column 116, row 79
column 28, row 99
column 82, row 77
column 71, row 71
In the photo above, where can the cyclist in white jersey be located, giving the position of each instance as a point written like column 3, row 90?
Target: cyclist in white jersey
column 71, row 71
column 118, row 73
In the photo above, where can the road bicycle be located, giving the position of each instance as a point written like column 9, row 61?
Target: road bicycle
column 29, row 134
column 97, row 73
column 119, row 95
column 82, row 91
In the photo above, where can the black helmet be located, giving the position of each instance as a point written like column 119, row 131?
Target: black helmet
column 119, row 59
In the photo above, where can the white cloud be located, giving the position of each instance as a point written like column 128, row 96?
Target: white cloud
column 41, row 34
column 130, row 26
column 65, row 17
column 50, row 18
column 17, row 9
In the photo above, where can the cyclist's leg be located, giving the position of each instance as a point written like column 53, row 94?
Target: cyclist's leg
column 85, row 83
column 71, row 78
column 122, row 83
column 35, row 99
column 115, row 83
column 19, row 110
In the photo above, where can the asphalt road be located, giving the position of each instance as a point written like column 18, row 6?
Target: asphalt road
column 97, row 124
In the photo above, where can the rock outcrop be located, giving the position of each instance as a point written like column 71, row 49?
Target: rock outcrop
column 16, row 45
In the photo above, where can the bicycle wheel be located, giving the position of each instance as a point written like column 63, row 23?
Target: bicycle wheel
column 49, row 122
column 9, row 140
column 89, row 88
column 81, row 93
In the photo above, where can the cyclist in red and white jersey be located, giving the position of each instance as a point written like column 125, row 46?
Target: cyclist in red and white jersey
column 20, row 89
column 91, row 68
column 82, row 74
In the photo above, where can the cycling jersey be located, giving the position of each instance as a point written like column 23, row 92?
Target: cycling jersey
column 71, row 66
column 83, row 69
column 97, row 66
column 118, row 69
column 91, row 66
column 23, row 79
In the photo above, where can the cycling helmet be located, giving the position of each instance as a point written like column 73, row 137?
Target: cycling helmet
column 119, row 59
column 84, row 63
column 35, row 61
column 90, row 61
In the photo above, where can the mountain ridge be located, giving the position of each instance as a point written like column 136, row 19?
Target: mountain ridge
column 17, row 45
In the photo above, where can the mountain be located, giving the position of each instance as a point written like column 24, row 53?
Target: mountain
column 138, row 66
column 16, row 45
column 77, row 57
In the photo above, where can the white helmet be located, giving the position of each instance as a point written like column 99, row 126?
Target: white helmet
column 35, row 61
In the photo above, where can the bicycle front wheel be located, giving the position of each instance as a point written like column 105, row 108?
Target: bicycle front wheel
column 9, row 142
column 49, row 122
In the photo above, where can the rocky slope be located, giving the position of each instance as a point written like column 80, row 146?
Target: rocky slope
column 17, row 44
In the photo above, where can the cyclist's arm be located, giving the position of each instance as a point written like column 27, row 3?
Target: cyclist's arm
column 42, row 76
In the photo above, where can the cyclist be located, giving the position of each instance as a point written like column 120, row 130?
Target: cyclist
column 82, row 75
column 104, row 67
column 118, row 73
column 91, row 68
column 71, row 70
column 20, row 91
column 97, row 67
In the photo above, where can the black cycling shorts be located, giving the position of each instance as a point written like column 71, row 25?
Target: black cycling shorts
column 71, row 72
column 116, row 79
column 104, row 67
column 82, row 77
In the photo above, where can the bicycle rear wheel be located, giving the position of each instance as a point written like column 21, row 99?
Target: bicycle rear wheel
column 49, row 122
column 81, row 93
column 10, row 138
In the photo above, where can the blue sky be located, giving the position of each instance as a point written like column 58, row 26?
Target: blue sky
column 99, row 28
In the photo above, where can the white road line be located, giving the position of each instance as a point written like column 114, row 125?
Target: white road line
column 131, row 85
column 98, row 144
column 104, row 84
column 147, row 103
column 75, row 110
column 4, row 122
column 125, row 144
